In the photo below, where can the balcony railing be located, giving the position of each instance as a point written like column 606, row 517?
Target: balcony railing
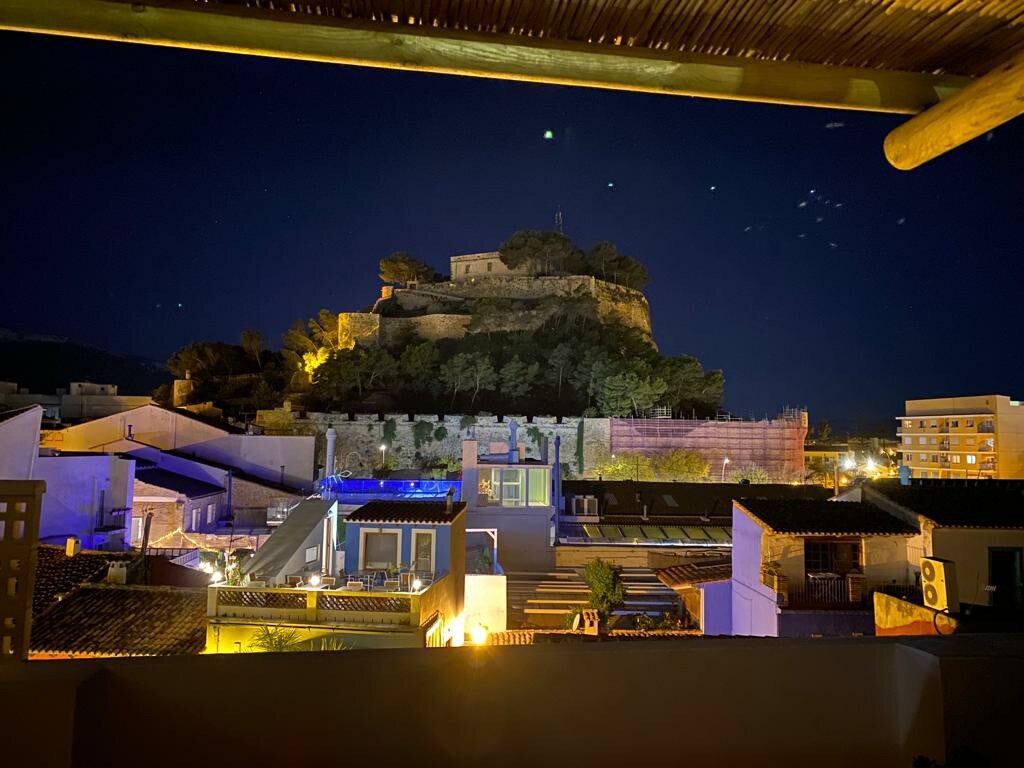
column 986, row 427
column 315, row 606
column 851, row 592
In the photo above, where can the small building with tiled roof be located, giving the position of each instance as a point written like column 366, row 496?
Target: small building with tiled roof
column 704, row 586
column 976, row 524
column 802, row 567
column 119, row 620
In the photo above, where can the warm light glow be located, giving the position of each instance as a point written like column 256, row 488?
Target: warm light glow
column 383, row 447
column 417, row 585
column 478, row 635
column 216, row 577
column 849, row 463
column 870, row 465
column 725, row 460
column 314, row 580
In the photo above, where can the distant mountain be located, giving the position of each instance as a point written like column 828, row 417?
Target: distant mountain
column 45, row 363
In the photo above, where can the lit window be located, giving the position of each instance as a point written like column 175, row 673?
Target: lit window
column 312, row 554
column 908, row 424
column 211, row 513
column 537, row 487
column 423, row 550
column 922, row 440
column 972, row 459
column 955, row 459
column 907, row 440
column 934, row 440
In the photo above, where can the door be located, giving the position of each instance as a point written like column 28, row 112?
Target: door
column 1006, row 576
column 423, row 550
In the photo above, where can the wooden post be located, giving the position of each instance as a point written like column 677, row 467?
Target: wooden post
column 987, row 103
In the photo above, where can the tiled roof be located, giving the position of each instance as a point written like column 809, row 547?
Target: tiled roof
column 172, row 481
column 825, row 517
column 119, row 620
column 696, row 572
column 964, row 504
column 535, row 636
column 379, row 511
column 619, row 498
column 57, row 574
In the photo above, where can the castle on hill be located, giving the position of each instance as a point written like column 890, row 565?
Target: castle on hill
column 451, row 309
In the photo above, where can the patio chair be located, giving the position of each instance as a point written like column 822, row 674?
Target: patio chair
column 328, row 581
column 293, row 581
column 354, row 585
column 392, row 585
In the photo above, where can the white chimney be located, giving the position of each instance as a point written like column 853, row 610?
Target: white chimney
column 117, row 573
column 332, row 441
column 72, row 546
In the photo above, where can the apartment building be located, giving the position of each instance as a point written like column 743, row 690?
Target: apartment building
column 963, row 437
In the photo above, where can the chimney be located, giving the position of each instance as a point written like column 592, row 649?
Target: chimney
column 332, row 441
column 72, row 546
column 448, row 497
column 117, row 573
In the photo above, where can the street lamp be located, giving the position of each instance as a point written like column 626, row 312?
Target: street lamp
column 383, row 450
column 724, row 462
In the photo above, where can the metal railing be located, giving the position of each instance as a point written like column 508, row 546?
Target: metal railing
column 849, row 592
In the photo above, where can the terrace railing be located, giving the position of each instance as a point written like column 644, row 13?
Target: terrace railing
column 315, row 606
column 850, row 592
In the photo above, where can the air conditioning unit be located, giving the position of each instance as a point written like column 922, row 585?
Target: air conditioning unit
column 584, row 505
column 938, row 584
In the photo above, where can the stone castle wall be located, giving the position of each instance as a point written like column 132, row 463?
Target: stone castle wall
column 359, row 440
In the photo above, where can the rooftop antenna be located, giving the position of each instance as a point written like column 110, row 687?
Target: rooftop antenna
column 558, row 220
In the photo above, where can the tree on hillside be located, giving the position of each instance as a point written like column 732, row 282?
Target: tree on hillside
column 252, row 343
column 480, row 375
column 417, row 367
column 540, row 251
column 401, row 268
column 689, row 388
column 605, row 261
column 590, row 373
column 516, row 378
column 559, row 363
column 625, row 393
column 680, row 466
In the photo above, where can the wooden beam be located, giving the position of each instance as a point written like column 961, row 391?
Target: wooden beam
column 988, row 102
column 236, row 29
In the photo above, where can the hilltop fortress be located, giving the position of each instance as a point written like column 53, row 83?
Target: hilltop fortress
column 451, row 309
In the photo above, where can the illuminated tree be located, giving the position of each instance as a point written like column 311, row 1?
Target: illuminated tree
column 680, row 466
column 401, row 268
column 627, row 466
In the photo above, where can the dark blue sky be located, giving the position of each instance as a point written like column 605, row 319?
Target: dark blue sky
column 255, row 191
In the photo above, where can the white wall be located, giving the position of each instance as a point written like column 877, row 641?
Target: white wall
column 150, row 424
column 486, row 601
column 263, row 456
column 754, row 605
column 19, row 444
column 78, row 488
column 716, row 608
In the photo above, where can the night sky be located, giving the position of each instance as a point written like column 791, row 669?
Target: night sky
column 153, row 197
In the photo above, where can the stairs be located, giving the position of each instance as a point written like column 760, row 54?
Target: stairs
column 545, row 599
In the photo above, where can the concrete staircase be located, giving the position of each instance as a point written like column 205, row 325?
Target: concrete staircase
column 545, row 599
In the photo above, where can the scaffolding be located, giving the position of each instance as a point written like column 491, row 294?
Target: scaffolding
column 775, row 445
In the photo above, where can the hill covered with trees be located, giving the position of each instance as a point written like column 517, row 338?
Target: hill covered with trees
column 574, row 362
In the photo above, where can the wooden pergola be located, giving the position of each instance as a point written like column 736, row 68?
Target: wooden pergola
column 957, row 65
